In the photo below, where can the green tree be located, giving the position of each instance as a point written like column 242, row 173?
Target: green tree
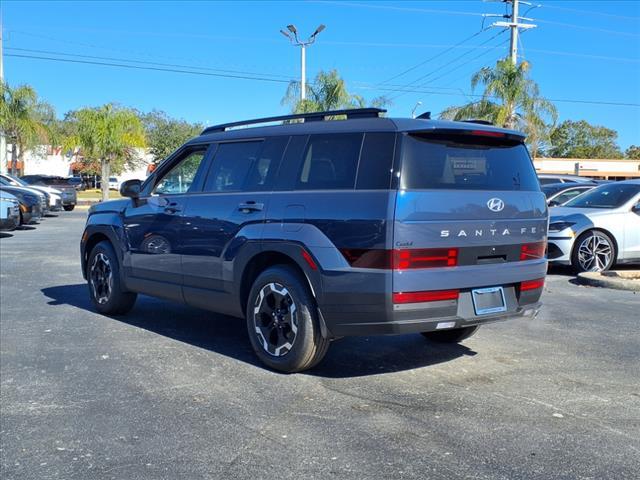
column 24, row 120
column 328, row 91
column 165, row 134
column 108, row 135
column 633, row 152
column 580, row 139
column 512, row 100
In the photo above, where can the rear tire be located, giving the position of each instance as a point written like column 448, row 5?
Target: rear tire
column 68, row 208
column 455, row 335
column 103, row 277
column 282, row 321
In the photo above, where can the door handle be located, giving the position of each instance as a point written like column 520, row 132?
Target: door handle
column 172, row 208
column 250, row 206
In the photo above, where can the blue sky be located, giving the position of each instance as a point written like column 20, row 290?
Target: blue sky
column 586, row 51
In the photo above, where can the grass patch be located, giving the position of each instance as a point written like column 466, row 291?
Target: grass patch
column 96, row 194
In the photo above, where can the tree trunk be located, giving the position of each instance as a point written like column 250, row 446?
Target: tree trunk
column 104, row 182
column 14, row 157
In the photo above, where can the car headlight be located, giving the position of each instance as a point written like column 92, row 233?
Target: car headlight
column 559, row 226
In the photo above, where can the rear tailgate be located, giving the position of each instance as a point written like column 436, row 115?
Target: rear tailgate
column 469, row 212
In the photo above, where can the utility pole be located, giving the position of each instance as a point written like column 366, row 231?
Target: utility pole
column 514, row 25
column 514, row 32
column 292, row 35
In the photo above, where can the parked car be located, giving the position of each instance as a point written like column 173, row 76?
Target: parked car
column 114, row 184
column 547, row 178
column 54, row 195
column 77, row 182
column 313, row 231
column 9, row 211
column 560, row 193
column 597, row 229
column 31, row 203
column 43, row 197
column 69, row 194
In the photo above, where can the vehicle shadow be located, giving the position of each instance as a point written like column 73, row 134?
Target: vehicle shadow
column 347, row 357
column 27, row 227
column 5, row 235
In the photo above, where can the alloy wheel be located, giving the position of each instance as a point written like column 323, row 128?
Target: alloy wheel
column 274, row 318
column 594, row 253
column 101, row 276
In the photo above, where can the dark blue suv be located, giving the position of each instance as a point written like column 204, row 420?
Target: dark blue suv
column 330, row 224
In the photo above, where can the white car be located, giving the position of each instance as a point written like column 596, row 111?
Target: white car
column 597, row 229
column 9, row 211
column 114, row 184
column 55, row 195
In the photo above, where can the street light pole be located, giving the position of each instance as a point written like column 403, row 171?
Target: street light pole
column 292, row 35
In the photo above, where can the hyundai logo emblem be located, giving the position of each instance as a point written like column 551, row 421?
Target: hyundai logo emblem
column 495, row 205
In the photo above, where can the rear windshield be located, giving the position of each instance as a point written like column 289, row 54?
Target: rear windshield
column 464, row 162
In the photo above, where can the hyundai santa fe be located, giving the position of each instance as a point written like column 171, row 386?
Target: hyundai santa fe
column 319, row 228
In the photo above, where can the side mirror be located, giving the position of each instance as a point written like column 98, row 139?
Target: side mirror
column 131, row 188
column 554, row 203
column 636, row 208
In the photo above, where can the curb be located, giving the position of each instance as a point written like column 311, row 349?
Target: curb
column 611, row 280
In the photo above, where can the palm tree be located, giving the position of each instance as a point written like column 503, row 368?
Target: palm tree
column 108, row 135
column 510, row 99
column 328, row 91
column 24, row 120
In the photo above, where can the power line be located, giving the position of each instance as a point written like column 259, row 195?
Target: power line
column 137, row 67
column 431, row 58
column 401, row 9
column 593, row 29
column 452, row 61
column 591, row 12
column 372, row 87
column 96, row 57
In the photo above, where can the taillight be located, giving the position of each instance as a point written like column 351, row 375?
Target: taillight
column 427, row 296
column 532, row 284
column 530, row 251
column 401, row 259
column 425, row 258
column 487, row 133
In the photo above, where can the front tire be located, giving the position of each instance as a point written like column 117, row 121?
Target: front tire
column 593, row 251
column 282, row 321
column 103, row 277
column 68, row 208
column 455, row 335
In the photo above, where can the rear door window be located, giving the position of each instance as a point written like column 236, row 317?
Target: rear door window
column 465, row 162
column 330, row 162
column 231, row 166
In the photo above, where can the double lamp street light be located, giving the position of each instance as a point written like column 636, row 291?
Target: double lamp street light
column 292, row 35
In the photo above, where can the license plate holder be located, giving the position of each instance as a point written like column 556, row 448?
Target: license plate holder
column 488, row 300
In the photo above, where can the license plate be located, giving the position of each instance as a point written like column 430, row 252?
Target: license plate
column 488, row 300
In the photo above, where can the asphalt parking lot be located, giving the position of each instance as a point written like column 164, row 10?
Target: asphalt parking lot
column 174, row 392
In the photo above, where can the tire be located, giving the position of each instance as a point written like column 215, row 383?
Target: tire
column 68, row 208
column 455, row 335
column 597, row 245
column 103, row 278
column 282, row 321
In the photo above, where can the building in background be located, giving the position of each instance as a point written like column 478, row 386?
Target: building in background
column 605, row 169
column 47, row 160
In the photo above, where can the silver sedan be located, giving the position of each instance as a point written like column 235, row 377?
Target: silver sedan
column 597, row 229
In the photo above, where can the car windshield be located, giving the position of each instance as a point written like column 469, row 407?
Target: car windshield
column 607, row 196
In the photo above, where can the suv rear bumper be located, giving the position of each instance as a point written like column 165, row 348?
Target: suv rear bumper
column 422, row 324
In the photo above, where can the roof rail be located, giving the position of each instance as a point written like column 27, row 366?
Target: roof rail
column 307, row 117
column 481, row 122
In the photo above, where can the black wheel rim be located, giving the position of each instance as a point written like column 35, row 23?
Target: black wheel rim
column 101, row 278
column 274, row 319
